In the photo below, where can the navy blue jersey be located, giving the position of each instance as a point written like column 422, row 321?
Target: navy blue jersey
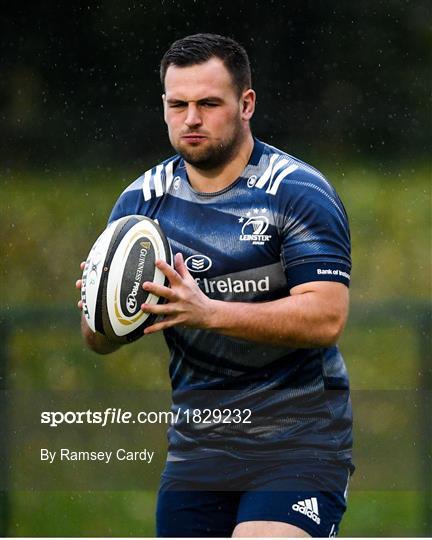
column 278, row 225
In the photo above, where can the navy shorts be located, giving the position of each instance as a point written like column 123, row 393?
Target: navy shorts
column 209, row 497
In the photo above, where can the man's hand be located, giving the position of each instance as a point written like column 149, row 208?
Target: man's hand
column 312, row 316
column 186, row 303
column 95, row 341
column 78, row 285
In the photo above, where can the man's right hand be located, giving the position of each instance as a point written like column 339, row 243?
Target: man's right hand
column 78, row 285
column 95, row 341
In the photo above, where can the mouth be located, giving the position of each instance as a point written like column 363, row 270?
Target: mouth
column 194, row 137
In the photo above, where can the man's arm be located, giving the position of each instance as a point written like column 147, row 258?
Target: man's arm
column 95, row 341
column 313, row 316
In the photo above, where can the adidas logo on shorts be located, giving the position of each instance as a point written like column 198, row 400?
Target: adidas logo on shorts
column 308, row 507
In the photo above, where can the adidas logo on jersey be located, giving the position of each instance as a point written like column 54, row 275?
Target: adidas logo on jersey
column 308, row 507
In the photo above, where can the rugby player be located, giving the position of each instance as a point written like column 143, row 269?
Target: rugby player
column 257, row 300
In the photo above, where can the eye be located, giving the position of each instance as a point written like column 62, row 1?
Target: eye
column 177, row 105
column 209, row 104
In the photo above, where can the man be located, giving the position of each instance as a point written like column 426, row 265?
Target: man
column 257, row 300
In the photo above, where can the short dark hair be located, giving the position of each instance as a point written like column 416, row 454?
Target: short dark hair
column 199, row 48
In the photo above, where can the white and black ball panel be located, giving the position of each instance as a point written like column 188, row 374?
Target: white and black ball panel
column 134, row 244
column 92, row 274
column 120, row 228
column 132, row 265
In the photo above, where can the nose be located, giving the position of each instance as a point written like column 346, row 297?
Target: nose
column 193, row 117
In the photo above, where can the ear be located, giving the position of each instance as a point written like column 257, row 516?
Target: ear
column 248, row 101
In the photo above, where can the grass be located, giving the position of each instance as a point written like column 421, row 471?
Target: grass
column 370, row 513
column 60, row 514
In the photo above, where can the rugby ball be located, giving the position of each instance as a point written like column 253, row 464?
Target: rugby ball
column 120, row 261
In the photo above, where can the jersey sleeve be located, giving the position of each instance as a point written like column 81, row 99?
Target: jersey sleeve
column 315, row 233
column 130, row 202
column 144, row 194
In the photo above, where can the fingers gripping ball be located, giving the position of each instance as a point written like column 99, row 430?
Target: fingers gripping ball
column 120, row 261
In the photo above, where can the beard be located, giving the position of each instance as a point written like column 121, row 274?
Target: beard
column 212, row 156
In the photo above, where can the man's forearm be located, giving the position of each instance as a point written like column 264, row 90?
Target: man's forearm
column 95, row 341
column 304, row 320
column 313, row 316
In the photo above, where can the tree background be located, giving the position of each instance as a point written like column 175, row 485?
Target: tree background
column 80, row 83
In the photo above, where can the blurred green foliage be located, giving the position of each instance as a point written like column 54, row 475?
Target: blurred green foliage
column 48, row 221
column 132, row 514
column 60, row 514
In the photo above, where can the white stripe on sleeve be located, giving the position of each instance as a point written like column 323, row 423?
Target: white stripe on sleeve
column 267, row 173
column 146, row 185
column 274, row 187
column 158, row 181
column 168, row 176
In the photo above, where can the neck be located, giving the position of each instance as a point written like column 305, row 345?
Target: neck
column 221, row 177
